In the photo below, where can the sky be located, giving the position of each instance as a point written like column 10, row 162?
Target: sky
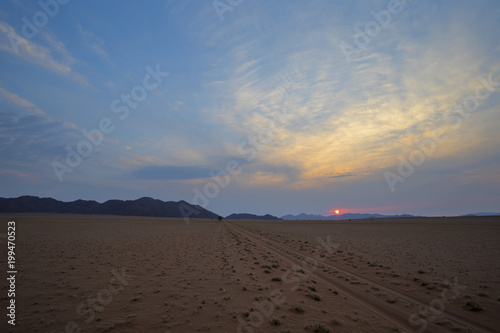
column 252, row 106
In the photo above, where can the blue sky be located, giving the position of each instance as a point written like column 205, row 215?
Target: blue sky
column 254, row 106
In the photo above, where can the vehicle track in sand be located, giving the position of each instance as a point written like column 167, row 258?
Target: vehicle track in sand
column 394, row 313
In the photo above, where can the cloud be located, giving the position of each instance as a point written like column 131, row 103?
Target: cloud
column 32, row 138
column 94, row 43
column 59, row 47
column 347, row 117
column 27, row 106
column 38, row 54
column 20, row 175
column 261, row 174
column 343, row 175
column 172, row 172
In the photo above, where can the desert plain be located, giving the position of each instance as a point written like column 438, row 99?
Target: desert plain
column 83, row 273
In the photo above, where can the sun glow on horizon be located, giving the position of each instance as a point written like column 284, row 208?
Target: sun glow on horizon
column 336, row 211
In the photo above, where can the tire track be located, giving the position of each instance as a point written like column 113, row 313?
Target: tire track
column 387, row 311
column 373, row 306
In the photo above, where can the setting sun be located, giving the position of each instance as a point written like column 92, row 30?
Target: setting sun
column 336, row 211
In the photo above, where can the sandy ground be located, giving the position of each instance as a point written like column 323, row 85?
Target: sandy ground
column 124, row 274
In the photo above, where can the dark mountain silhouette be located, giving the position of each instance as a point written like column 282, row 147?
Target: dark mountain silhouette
column 483, row 214
column 345, row 216
column 251, row 217
column 140, row 207
column 304, row 216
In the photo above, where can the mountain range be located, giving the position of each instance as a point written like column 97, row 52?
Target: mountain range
column 483, row 214
column 140, row 207
column 251, row 217
column 153, row 207
column 354, row 216
column 345, row 216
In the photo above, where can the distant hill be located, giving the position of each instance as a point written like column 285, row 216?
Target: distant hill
column 304, row 216
column 140, row 207
column 483, row 214
column 251, row 217
column 346, row 216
